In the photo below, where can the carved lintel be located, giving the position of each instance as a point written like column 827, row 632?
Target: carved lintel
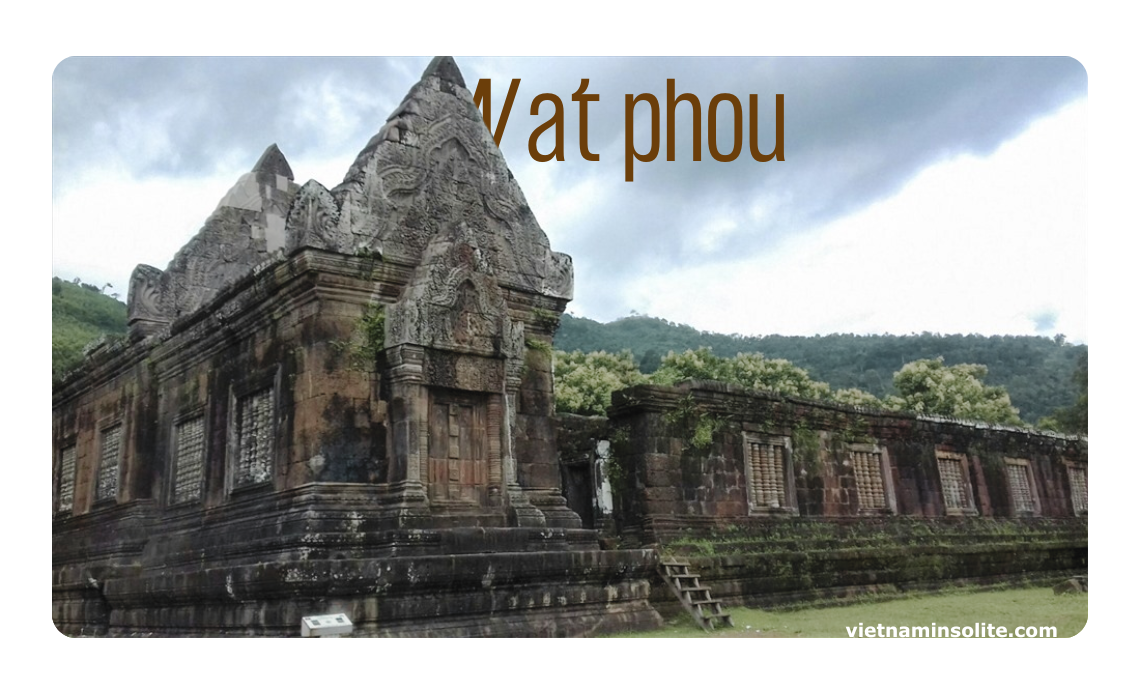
column 453, row 302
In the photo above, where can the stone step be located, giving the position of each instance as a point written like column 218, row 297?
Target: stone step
column 705, row 610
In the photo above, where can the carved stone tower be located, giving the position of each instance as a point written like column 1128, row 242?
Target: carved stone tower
column 464, row 282
column 338, row 401
column 466, row 368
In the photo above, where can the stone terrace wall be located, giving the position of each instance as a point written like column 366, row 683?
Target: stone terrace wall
column 813, row 560
column 778, row 501
column 705, row 456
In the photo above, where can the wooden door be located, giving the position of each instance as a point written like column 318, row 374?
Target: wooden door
column 457, row 450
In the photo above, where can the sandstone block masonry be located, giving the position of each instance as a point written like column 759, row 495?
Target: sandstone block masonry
column 338, row 401
column 778, row 500
column 712, row 454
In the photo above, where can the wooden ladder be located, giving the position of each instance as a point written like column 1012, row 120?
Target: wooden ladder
column 696, row 600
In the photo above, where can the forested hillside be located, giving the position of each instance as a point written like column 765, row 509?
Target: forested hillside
column 80, row 314
column 1037, row 371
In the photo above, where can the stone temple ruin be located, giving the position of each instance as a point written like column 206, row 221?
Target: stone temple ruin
column 341, row 401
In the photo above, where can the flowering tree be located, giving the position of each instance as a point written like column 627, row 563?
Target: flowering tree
column 928, row 386
column 753, row 371
column 583, row 382
column 859, row 398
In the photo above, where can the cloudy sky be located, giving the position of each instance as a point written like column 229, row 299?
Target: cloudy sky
column 895, row 170
column 934, row 194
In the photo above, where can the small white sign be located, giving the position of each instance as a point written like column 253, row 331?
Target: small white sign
column 326, row 625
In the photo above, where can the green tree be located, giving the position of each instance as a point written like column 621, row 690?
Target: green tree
column 699, row 364
column 650, row 361
column 859, row 398
column 1034, row 370
column 753, row 371
column 928, row 386
column 778, row 375
column 1075, row 418
column 80, row 314
column 583, row 382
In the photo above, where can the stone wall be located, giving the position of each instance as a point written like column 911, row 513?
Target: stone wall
column 710, row 455
column 778, row 501
column 816, row 560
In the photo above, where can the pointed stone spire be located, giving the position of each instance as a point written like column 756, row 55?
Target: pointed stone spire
column 272, row 161
column 434, row 166
column 444, row 67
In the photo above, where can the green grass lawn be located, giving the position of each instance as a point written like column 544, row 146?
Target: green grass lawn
column 1009, row 608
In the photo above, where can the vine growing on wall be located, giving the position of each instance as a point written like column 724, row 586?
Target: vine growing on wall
column 537, row 345
column 549, row 320
column 372, row 325
column 367, row 341
column 858, row 430
column 700, row 425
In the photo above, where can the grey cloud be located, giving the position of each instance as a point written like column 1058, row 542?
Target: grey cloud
column 856, row 129
column 182, row 116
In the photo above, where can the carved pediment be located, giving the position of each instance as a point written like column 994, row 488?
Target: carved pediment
column 453, row 302
column 146, row 299
column 312, row 221
column 434, row 165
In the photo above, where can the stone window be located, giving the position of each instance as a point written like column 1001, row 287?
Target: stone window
column 767, row 475
column 189, row 459
column 254, row 435
column 1021, row 495
column 107, row 480
column 955, row 478
column 869, row 479
column 1079, row 486
column 67, row 479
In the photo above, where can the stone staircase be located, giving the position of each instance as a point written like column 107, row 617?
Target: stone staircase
column 697, row 601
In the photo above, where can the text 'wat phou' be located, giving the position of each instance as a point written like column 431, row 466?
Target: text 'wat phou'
column 340, row 400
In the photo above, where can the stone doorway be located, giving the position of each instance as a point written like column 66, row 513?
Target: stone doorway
column 578, row 488
column 457, row 448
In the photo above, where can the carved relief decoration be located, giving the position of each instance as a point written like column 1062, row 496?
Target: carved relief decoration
column 434, row 165
column 146, row 299
column 312, row 221
column 453, row 302
column 559, row 280
column 247, row 227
